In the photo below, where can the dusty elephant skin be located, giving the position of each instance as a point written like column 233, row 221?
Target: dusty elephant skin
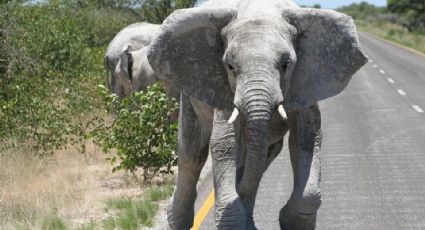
column 249, row 72
column 126, row 63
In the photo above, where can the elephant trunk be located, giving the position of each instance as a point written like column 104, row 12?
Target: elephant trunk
column 258, row 105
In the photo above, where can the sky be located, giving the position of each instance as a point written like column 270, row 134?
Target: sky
column 332, row 4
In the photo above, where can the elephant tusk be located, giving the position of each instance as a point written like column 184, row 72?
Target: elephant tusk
column 282, row 112
column 234, row 116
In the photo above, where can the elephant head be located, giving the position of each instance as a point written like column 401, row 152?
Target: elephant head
column 133, row 71
column 257, row 66
column 139, row 35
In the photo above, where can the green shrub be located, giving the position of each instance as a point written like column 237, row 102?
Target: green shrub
column 142, row 132
column 48, row 75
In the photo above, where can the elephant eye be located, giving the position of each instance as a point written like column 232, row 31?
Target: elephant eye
column 285, row 65
column 230, row 67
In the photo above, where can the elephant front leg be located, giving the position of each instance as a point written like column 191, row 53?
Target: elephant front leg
column 248, row 200
column 229, row 211
column 304, row 146
column 192, row 153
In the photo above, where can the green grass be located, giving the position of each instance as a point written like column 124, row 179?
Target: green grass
column 133, row 213
column 157, row 193
column 89, row 226
column 130, row 213
column 53, row 223
column 394, row 33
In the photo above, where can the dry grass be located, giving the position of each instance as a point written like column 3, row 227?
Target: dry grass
column 395, row 33
column 69, row 187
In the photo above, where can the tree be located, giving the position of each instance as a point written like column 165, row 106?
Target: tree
column 317, row 6
column 362, row 10
column 154, row 11
column 412, row 10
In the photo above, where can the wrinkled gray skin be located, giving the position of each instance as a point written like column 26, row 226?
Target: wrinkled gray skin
column 123, row 51
column 133, row 72
column 252, row 55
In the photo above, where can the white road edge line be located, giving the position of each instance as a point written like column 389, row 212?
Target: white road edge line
column 401, row 92
column 381, row 71
column 417, row 108
column 390, row 80
column 376, row 66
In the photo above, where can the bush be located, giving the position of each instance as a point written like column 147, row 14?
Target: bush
column 49, row 69
column 142, row 133
column 51, row 59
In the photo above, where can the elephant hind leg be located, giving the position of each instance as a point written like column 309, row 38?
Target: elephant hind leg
column 192, row 153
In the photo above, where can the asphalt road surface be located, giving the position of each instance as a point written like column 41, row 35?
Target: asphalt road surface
column 373, row 150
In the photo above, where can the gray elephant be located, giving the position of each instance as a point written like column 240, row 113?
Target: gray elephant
column 249, row 72
column 133, row 72
column 125, row 49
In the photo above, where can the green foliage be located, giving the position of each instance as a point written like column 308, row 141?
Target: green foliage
column 48, row 71
column 317, row 6
column 156, row 11
column 383, row 21
column 51, row 59
column 153, row 11
column 395, row 33
column 412, row 10
column 142, row 133
column 362, row 10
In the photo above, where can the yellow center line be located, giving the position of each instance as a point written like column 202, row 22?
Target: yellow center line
column 203, row 212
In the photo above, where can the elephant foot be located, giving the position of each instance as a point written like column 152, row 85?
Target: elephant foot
column 249, row 224
column 230, row 215
column 180, row 217
column 289, row 219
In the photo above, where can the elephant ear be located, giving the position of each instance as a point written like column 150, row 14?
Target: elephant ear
column 187, row 55
column 143, row 74
column 328, row 55
column 126, row 62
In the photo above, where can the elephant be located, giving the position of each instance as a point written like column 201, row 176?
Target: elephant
column 119, row 59
column 250, row 72
column 133, row 72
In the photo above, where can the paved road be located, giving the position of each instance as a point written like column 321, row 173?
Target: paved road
column 373, row 152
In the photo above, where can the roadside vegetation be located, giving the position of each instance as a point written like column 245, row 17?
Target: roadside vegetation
column 66, row 161
column 402, row 21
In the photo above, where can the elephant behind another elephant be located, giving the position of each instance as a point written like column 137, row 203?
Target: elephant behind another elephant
column 133, row 37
